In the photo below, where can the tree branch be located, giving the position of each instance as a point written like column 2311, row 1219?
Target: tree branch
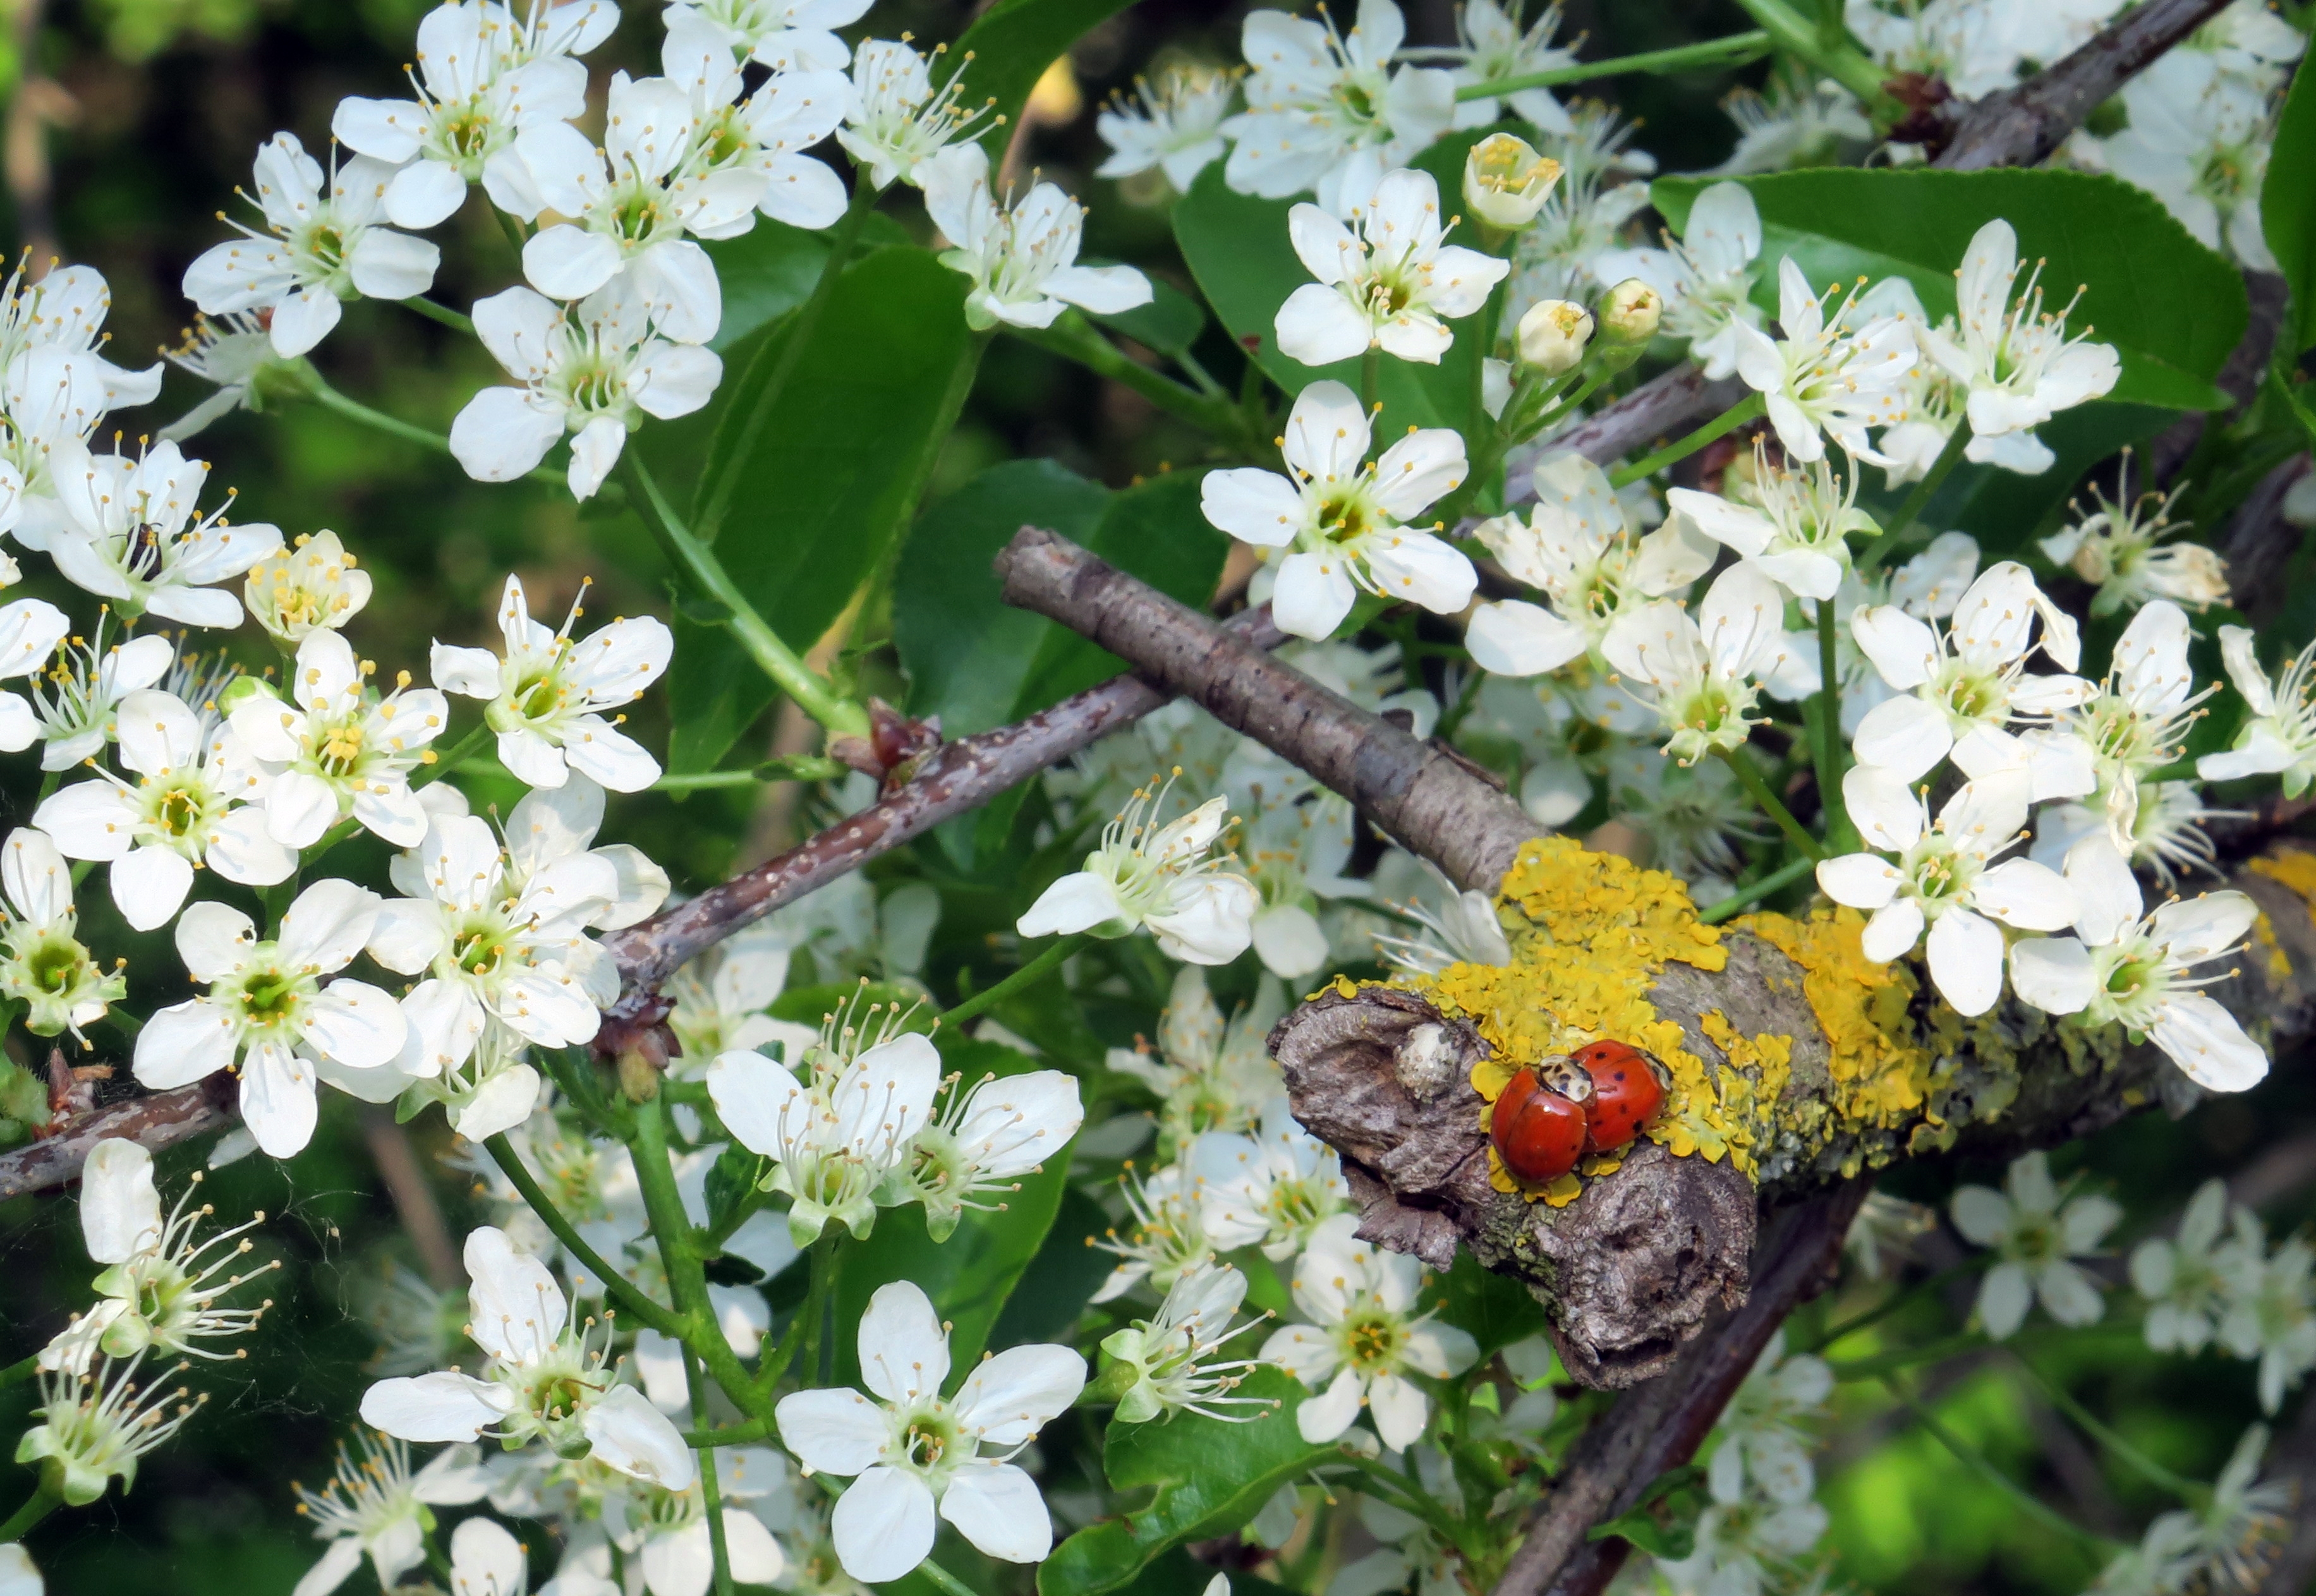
column 2020, row 127
column 154, row 1120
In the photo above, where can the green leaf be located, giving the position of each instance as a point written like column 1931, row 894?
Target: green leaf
column 2287, row 212
column 765, row 272
column 2004, row 510
column 979, row 662
column 1641, row 1527
column 1169, row 324
column 970, row 1276
column 1237, row 247
column 2173, row 309
column 1009, row 47
column 836, row 475
column 1209, row 1477
column 731, row 1180
column 1496, row 1309
column 1063, row 1278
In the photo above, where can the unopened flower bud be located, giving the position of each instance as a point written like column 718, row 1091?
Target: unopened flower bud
column 1552, row 335
column 1506, row 181
column 1630, row 312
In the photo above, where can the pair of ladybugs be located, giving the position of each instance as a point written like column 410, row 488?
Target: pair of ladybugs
column 1593, row 1101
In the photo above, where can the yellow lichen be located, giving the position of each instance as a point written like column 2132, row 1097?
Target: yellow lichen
column 2274, row 964
column 2295, row 869
column 1879, row 1079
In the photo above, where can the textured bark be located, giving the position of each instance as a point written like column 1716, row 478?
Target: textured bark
column 157, row 1119
column 2020, row 127
column 2261, row 543
column 2265, row 296
column 1664, row 407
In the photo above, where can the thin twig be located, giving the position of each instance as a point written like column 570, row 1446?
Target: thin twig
column 413, row 1193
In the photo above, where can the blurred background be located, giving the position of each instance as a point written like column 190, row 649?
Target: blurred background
column 128, row 124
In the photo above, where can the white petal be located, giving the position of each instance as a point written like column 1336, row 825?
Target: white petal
column 1009, row 1397
column 442, row 1406
column 1000, row 1509
column 632, row 1436
column 1966, row 960
column 904, row 1349
column 2053, row 974
column 883, row 1525
column 832, row 1431
column 119, row 1206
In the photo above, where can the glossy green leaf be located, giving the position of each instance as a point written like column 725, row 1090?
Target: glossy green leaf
column 833, row 478
column 1063, row 1278
column 1497, row 1309
column 977, row 662
column 1009, row 46
column 1169, row 324
column 1210, row 1478
column 2004, row 510
column 2287, row 211
column 765, row 272
column 969, row 1277
column 2173, row 309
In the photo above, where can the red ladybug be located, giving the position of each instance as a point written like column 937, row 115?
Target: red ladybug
column 1537, row 1132
column 1625, row 1091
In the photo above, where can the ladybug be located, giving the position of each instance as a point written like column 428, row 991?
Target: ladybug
column 1538, row 1131
column 1626, row 1088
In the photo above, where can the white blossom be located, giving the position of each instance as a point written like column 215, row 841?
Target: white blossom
column 784, row 35
column 232, row 353
column 1006, row 1125
column 129, row 532
column 836, row 1134
column 374, row 1506
column 490, row 951
column 2280, row 738
column 1945, row 878
column 1795, row 530
column 2143, row 969
column 1344, row 520
column 2138, row 721
column 721, row 995
column 64, row 312
column 1706, row 278
column 1163, row 878
column 1962, row 686
column 1022, row 257
column 765, row 134
column 1826, row 376
column 1794, row 124
column 1272, row 1187
column 336, row 748
column 914, row 1451
column 898, row 119
column 1170, row 1354
column 43, row 963
column 97, row 1424
column 1388, row 284
column 268, row 1011
column 484, row 74
column 2272, row 1315
column 1497, row 42
column 197, row 800
column 1208, row 1075
column 160, row 1286
column 1591, row 563
column 1705, row 672
column 328, row 243
column 2017, row 360
column 1296, row 854
column 592, row 370
column 1363, row 1340
column 487, row 1561
column 544, row 1379
column 2187, row 1279
column 311, row 585
column 2120, row 550
column 1166, row 1239
column 1763, row 1441
column 545, row 697
column 2037, row 1235
column 1174, row 125
column 1328, row 111
column 2206, row 160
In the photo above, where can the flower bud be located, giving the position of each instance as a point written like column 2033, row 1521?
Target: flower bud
column 1552, row 335
column 1630, row 312
column 1506, row 181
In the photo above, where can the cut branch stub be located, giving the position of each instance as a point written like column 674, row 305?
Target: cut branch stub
column 1627, row 1271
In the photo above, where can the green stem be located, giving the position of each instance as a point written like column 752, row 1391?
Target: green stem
column 807, row 767
column 1027, row 975
column 461, row 751
column 1732, row 51
column 2186, row 1490
column 17, row 1373
column 319, row 389
column 679, row 1253
column 1918, row 500
column 711, row 1498
column 944, row 1580
column 841, row 716
column 1749, row 777
column 784, row 354
column 1727, row 422
column 1798, row 35
column 2034, row 1506
column 1073, row 338
column 1886, row 1364
column 442, row 313
column 1753, row 891
column 512, row 228
column 615, row 1284
column 817, row 1305
column 38, row 1506
column 1370, row 379
column 730, row 1435
column 1840, row 836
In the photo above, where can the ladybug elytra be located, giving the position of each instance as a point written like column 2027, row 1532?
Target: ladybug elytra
column 1538, row 1132
column 1625, row 1091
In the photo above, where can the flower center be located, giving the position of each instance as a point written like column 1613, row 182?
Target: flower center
column 929, row 1439
column 267, row 996
column 1372, row 1341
